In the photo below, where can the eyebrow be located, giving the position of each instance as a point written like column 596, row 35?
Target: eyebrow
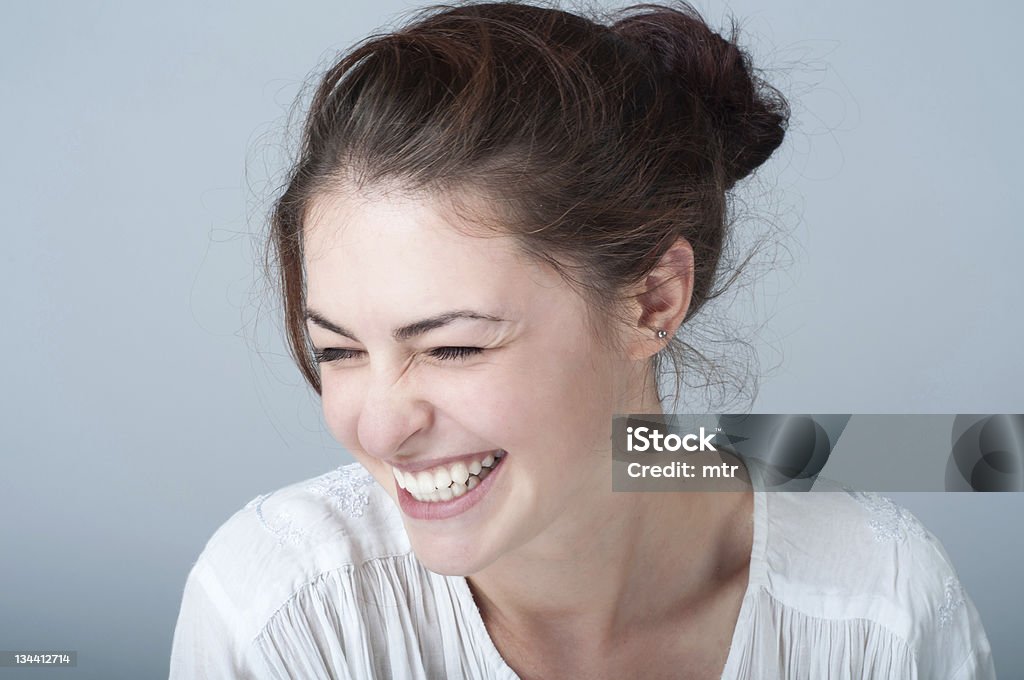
column 409, row 331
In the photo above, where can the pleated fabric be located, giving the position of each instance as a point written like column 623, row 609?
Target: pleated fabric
column 317, row 581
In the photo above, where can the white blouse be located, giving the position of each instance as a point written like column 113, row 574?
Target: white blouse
column 318, row 580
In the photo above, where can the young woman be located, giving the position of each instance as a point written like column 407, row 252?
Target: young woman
column 500, row 217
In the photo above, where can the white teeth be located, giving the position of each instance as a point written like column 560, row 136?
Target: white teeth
column 460, row 473
column 442, row 478
column 444, row 483
column 425, row 482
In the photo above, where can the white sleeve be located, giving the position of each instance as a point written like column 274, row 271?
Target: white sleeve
column 977, row 664
column 206, row 641
column 954, row 645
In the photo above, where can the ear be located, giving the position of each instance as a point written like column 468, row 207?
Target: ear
column 662, row 300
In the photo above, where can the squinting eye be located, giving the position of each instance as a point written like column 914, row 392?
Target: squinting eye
column 452, row 353
column 327, row 355
column 443, row 353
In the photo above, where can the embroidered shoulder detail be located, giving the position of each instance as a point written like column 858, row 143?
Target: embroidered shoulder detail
column 282, row 527
column 346, row 488
column 889, row 521
column 954, row 601
column 256, row 501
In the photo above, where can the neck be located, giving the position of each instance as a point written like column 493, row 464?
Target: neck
column 619, row 563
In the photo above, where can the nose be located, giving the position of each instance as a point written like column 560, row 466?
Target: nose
column 393, row 412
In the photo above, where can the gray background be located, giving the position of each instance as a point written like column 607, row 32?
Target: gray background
column 146, row 394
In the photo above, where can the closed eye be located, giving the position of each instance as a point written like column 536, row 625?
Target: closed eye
column 454, row 353
column 322, row 356
column 442, row 353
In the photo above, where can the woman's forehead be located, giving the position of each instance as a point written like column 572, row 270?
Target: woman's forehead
column 404, row 251
column 347, row 221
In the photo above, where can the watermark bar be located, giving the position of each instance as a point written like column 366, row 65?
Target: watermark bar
column 794, row 452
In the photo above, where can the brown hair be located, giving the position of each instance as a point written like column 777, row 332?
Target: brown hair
column 597, row 145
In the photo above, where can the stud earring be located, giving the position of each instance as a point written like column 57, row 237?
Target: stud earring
column 662, row 334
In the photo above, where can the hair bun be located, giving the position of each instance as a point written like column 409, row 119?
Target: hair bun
column 750, row 115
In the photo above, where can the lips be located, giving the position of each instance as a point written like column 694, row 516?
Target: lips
column 456, row 498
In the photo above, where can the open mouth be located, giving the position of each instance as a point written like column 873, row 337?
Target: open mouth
column 446, row 482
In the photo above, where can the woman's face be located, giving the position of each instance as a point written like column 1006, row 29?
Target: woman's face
column 443, row 348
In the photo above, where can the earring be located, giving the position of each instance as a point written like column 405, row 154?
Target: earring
column 662, row 334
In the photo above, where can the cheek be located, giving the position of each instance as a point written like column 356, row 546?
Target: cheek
column 483, row 403
column 570, row 404
column 549, row 400
column 341, row 410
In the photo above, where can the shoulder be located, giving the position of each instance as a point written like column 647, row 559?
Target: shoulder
column 836, row 553
column 285, row 539
column 852, row 545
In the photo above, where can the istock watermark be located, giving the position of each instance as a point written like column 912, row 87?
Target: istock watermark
column 652, row 439
column 811, row 452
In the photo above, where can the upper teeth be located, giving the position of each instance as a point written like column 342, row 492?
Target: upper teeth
column 445, row 478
